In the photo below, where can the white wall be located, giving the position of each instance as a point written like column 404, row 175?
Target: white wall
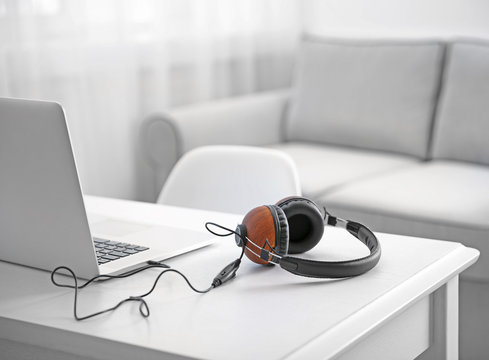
column 112, row 63
column 397, row 18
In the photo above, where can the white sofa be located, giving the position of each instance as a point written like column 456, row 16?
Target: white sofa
column 394, row 134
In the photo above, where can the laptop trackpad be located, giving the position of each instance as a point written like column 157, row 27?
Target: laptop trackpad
column 167, row 237
column 146, row 235
column 112, row 227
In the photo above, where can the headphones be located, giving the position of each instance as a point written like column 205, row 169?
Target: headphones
column 269, row 233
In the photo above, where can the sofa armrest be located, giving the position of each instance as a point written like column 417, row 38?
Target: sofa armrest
column 246, row 120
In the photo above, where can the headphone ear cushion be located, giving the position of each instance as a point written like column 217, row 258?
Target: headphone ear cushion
column 282, row 230
column 305, row 223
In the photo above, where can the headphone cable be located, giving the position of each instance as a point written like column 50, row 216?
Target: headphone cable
column 226, row 274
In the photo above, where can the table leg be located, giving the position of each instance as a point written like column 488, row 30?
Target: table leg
column 451, row 315
column 444, row 323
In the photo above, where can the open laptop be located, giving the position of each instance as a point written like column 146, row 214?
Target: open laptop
column 43, row 223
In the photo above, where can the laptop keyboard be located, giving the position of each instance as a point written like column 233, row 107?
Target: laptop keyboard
column 108, row 250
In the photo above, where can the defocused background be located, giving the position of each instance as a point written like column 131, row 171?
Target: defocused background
column 111, row 63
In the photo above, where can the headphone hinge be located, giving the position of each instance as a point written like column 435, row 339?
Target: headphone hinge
column 268, row 256
column 353, row 227
column 331, row 220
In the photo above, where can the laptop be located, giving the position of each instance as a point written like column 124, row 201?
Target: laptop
column 43, row 222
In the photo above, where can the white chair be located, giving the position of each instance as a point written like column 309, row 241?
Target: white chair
column 230, row 179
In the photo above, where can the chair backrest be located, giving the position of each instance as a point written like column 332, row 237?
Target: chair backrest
column 230, row 179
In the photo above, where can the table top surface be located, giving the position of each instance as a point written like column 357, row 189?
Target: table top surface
column 265, row 312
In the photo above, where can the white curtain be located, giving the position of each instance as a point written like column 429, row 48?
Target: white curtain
column 112, row 62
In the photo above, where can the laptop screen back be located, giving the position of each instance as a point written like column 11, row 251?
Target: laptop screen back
column 43, row 222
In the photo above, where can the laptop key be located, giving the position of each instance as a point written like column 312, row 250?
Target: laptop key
column 102, row 261
column 118, row 254
column 141, row 248
column 110, row 257
column 130, row 251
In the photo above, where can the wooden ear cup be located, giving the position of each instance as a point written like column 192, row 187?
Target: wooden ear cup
column 261, row 224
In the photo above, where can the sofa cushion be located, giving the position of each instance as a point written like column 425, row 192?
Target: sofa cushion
column 322, row 168
column 375, row 95
column 462, row 124
column 442, row 200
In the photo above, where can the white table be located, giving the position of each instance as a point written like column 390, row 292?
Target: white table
column 407, row 304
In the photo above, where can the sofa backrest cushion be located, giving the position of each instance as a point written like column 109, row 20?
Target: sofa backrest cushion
column 462, row 125
column 369, row 94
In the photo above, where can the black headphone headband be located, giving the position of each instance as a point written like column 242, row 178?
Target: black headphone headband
column 337, row 269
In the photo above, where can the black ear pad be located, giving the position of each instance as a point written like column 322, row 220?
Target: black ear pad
column 281, row 230
column 306, row 224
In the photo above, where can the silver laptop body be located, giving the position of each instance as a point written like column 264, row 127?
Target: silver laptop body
column 43, row 222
